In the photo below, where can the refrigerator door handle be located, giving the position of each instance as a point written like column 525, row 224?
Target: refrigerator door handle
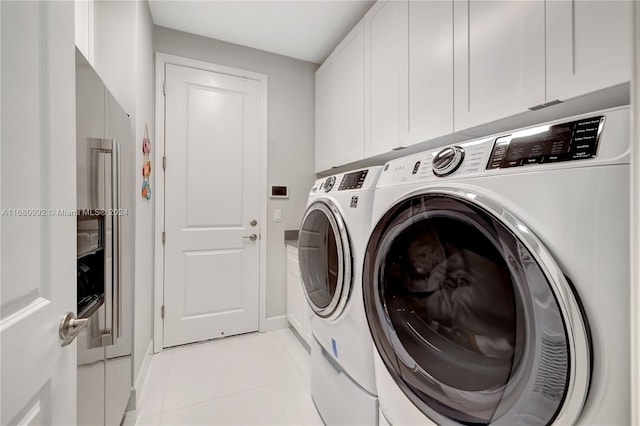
column 109, row 146
column 117, row 274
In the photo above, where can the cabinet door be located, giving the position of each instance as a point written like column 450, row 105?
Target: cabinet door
column 340, row 104
column 327, row 114
column 386, row 73
column 588, row 46
column 84, row 25
column 499, row 59
column 427, row 104
column 296, row 301
column 351, row 104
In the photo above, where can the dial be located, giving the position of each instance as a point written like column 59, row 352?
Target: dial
column 447, row 161
column 328, row 184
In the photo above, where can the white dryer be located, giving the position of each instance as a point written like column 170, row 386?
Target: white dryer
column 496, row 278
column 333, row 236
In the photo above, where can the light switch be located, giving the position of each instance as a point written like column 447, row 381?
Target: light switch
column 277, row 215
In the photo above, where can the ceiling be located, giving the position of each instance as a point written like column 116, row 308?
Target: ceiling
column 303, row 29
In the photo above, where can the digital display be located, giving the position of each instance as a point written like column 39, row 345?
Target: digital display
column 562, row 142
column 280, row 191
column 353, row 180
column 556, row 141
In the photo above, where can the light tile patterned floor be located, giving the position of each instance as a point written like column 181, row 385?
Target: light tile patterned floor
column 252, row 379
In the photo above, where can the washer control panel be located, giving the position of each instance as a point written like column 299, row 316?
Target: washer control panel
column 574, row 140
column 353, row 180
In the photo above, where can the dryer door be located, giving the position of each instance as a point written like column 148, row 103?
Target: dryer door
column 325, row 259
column 471, row 316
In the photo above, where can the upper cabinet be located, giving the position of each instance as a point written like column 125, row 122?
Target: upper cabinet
column 499, row 59
column 432, row 68
column 514, row 56
column 340, row 104
column 409, row 73
column 386, row 59
column 84, row 10
column 427, row 97
column 588, row 46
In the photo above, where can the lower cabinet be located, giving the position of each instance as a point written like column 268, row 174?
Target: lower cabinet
column 298, row 311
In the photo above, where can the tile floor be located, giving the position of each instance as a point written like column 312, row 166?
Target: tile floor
column 251, row 379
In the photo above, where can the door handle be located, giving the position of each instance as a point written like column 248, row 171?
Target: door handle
column 70, row 327
column 252, row 237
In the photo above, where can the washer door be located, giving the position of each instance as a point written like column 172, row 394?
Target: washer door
column 471, row 315
column 325, row 259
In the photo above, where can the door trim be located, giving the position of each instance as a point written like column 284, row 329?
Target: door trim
column 158, row 182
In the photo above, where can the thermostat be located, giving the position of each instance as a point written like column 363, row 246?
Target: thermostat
column 279, row 191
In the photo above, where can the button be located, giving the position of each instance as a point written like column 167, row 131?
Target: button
column 514, row 163
column 581, row 154
column 551, row 158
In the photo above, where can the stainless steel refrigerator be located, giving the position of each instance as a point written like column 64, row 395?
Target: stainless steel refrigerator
column 105, row 198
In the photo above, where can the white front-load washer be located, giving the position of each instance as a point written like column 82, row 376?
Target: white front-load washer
column 496, row 278
column 333, row 236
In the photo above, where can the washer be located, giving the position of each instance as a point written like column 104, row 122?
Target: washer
column 333, row 236
column 496, row 278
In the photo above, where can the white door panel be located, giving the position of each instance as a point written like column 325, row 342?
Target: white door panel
column 386, row 29
column 588, row 46
column 499, row 59
column 211, row 196
column 38, row 376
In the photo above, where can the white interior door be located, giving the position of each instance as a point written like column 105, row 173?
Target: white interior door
column 38, row 376
column 212, row 178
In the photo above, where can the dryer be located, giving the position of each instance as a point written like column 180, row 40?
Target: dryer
column 333, row 236
column 496, row 278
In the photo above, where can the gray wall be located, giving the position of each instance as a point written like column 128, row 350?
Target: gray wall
column 290, row 137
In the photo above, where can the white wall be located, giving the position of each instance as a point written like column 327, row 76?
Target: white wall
column 290, row 136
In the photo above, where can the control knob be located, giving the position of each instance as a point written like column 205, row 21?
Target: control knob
column 447, row 161
column 328, row 184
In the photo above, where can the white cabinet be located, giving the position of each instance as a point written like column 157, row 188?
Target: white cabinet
column 432, row 68
column 298, row 311
column 588, row 46
column 427, row 104
column 408, row 74
column 499, row 59
column 386, row 60
column 340, row 104
column 84, row 27
column 512, row 56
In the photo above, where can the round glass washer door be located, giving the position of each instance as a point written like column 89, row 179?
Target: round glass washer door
column 325, row 259
column 471, row 316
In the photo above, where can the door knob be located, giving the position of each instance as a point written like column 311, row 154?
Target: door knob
column 70, row 327
column 252, row 237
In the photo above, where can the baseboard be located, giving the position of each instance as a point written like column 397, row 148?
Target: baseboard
column 277, row 323
column 141, row 377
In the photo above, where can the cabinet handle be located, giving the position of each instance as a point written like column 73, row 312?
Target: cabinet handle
column 546, row 104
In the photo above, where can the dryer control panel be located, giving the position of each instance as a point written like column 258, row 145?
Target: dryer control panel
column 363, row 180
column 573, row 140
